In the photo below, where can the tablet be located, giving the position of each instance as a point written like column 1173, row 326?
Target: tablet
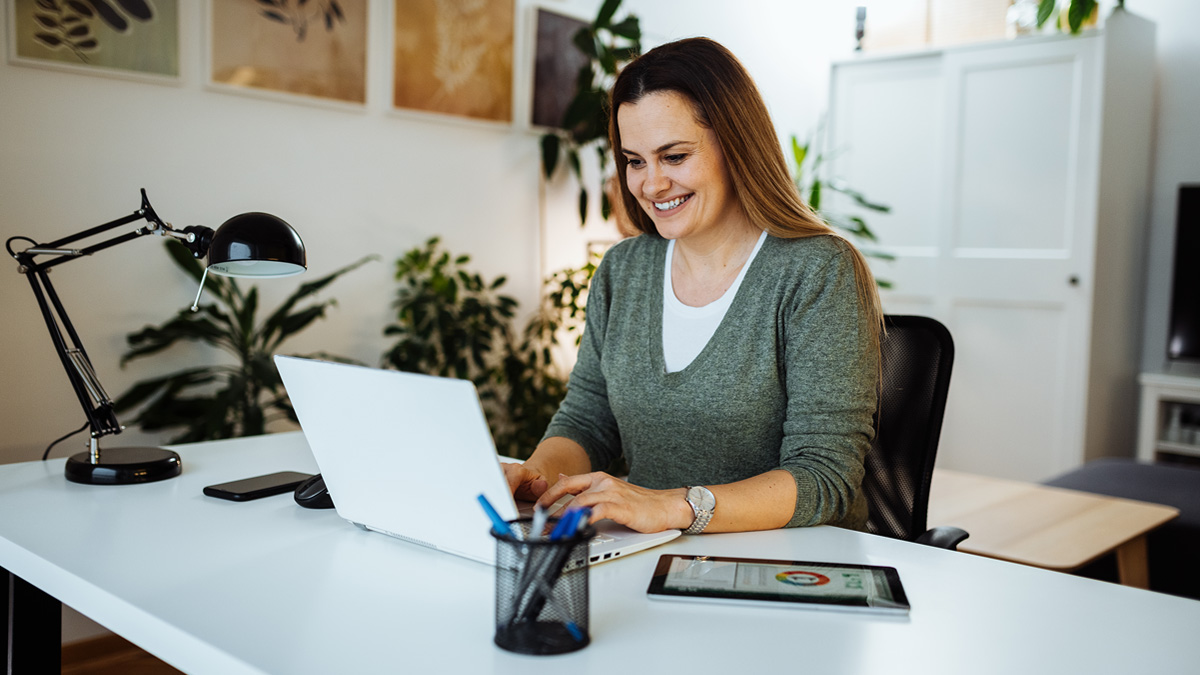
column 778, row 583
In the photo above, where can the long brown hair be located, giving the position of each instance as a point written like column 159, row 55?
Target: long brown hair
column 725, row 99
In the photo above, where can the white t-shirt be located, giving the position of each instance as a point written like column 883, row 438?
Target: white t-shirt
column 687, row 329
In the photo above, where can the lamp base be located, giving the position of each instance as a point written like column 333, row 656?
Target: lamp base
column 123, row 466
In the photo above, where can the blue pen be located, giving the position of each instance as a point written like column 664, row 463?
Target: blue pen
column 498, row 524
column 566, row 524
column 585, row 514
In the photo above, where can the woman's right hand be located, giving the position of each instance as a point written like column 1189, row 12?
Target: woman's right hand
column 526, row 483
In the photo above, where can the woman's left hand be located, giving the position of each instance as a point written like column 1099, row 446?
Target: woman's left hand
column 637, row 508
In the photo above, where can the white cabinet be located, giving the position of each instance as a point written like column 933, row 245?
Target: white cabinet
column 1018, row 175
column 1170, row 416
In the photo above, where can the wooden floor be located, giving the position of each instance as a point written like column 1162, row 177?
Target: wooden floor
column 111, row 655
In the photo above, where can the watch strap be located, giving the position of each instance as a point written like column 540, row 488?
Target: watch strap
column 695, row 495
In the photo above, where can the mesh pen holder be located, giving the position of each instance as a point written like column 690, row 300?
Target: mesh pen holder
column 541, row 591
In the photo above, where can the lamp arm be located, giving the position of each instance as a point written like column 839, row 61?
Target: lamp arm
column 97, row 406
column 196, row 238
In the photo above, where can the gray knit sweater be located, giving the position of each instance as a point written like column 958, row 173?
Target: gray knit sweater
column 788, row 380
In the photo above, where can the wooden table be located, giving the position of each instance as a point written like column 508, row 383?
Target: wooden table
column 1047, row 527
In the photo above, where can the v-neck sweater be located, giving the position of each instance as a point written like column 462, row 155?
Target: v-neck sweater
column 787, row 381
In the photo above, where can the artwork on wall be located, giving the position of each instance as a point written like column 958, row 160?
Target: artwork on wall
column 454, row 57
column 136, row 39
column 314, row 48
column 557, row 63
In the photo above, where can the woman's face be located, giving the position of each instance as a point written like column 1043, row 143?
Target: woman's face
column 676, row 170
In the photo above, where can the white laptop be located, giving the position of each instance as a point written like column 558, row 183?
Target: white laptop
column 408, row 455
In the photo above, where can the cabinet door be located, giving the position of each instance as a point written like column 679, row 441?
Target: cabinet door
column 1018, row 231
column 993, row 230
column 886, row 141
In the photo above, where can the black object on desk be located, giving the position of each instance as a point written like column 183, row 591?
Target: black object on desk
column 245, row 489
column 541, row 590
column 312, row 494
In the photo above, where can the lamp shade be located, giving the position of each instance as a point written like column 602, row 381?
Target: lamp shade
column 256, row 245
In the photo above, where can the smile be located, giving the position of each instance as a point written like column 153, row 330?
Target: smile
column 667, row 206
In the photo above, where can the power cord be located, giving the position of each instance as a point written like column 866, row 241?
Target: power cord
column 60, row 440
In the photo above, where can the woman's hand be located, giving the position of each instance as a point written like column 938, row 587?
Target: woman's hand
column 637, row 508
column 526, row 483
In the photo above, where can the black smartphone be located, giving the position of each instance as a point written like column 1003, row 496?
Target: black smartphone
column 259, row 486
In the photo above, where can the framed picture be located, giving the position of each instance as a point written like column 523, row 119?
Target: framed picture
column 132, row 39
column 557, row 62
column 303, row 48
column 454, row 57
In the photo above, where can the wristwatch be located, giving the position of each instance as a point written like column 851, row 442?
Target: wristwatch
column 703, row 503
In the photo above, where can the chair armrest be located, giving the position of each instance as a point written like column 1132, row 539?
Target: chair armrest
column 943, row 537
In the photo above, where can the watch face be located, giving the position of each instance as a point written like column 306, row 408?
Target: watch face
column 703, row 498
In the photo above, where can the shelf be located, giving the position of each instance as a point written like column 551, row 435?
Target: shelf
column 1178, row 448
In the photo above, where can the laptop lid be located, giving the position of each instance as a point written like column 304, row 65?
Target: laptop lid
column 407, row 454
column 402, row 453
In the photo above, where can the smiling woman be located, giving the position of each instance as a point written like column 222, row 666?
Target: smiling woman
column 731, row 351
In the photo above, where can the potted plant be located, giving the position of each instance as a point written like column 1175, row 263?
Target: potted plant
column 608, row 44
column 223, row 401
column 812, row 184
column 452, row 322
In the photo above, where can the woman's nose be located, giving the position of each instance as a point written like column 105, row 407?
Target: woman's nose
column 656, row 183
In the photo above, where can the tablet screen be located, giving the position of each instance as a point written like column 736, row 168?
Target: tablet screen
column 757, row 581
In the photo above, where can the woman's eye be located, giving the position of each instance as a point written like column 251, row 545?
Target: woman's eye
column 635, row 163
column 674, row 159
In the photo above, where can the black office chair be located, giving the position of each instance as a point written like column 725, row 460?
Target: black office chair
column 917, row 354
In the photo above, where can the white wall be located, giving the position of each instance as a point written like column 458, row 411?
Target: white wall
column 1176, row 155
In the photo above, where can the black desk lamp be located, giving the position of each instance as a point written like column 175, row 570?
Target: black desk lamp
column 249, row 245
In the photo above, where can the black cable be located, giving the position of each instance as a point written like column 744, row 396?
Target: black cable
column 60, row 440
column 10, row 240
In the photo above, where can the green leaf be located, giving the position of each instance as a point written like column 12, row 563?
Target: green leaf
column 858, row 197
column 272, row 324
column 814, row 196
column 184, row 327
column 1045, row 10
column 184, row 259
column 147, row 388
column 605, row 15
column 583, row 206
column 1078, row 12
column 627, row 28
column 585, row 40
column 573, row 162
column 246, row 315
column 550, row 145
column 799, row 152
column 608, row 61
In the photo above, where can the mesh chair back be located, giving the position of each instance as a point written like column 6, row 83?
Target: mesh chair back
column 917, row 355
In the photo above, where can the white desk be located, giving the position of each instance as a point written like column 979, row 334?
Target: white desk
column 267, row 587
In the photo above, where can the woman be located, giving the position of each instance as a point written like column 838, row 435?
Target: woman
column 731, row 351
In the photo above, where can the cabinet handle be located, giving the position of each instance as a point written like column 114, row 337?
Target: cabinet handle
column 1073, row 280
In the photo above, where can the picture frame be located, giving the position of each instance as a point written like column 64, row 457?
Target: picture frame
column 288, row 50
column 556, row 67
column 132, row 40
column 454, row 59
